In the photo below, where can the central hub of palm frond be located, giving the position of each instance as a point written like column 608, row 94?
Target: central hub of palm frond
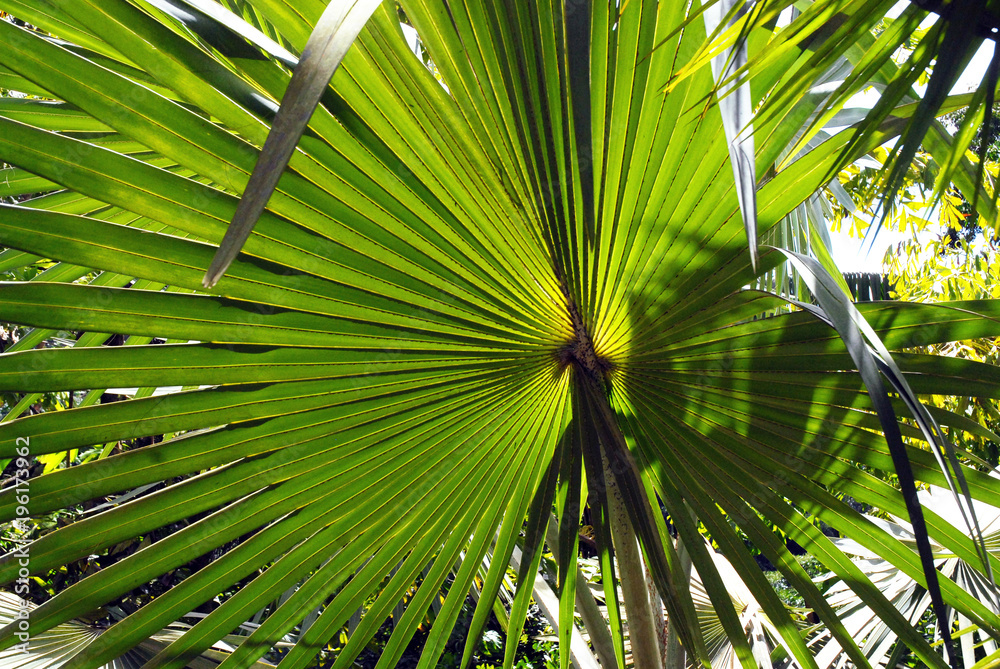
column 581, row 352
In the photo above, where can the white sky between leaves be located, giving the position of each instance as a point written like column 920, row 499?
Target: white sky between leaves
column 854, row 255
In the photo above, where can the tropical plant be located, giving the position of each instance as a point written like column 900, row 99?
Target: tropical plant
column 763, row 636
column 505, row 278
column 877, row 640
column 51, row 648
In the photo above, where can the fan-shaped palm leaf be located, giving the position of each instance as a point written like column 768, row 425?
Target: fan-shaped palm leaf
column 464, row 304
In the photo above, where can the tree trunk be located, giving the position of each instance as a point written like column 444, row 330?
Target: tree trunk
column 641, row 629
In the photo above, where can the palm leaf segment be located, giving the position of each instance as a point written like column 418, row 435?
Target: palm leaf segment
column 464, row 303
column 52, row 648
column 908, row 596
